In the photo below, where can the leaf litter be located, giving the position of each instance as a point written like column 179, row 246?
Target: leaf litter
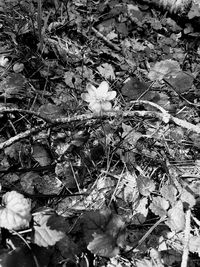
column 99, row 133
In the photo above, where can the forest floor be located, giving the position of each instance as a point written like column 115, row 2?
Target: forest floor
column 99, row 134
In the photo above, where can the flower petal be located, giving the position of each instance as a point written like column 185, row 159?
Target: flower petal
column 95, row 107
column 111, row 95
column 102, row 90
column 86, row 97
column 106, row 106
column 91, row 89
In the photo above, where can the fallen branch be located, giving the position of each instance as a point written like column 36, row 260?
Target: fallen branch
column 108, row 42
column 186, row 239
column 21, row 136
column 163, row 116
column 23, row 111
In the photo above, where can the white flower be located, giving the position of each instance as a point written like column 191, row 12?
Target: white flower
column 3, row 61
column 99, row 98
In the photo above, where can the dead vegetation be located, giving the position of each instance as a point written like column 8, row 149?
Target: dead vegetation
column 99, row 134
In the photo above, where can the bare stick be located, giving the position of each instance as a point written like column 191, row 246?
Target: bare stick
column 164, row 116
column 108, row 42
column 21, row 136
column 186, row 239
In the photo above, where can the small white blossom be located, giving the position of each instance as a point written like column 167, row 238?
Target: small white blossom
column 3, row 61
column 99, row 98
column 18, row 67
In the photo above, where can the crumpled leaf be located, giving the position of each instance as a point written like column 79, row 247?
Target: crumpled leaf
column 140, row 213
column 164, row 69
column 188, row 198
column 16, row 214
column 145, row 185
column 176, row 217
column 41, row 155
column 13, row 86
column 48, row 184
column 27, row 181
column 14, row 150
column 194, row 244
column 159, row 206
column 44, row 236
column 194, row 10
column 106, row 70
column 169, row 192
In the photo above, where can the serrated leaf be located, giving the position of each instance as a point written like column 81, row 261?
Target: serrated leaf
column 176, row 217
column 169, row 192
column 145, row 185
column 163, row 69
column 104, row 232
column 108, row 243
column 16, row 214
column 43, row 235
column 106, row 70
column 159, row 206
column 95, row 221
column 103, row 245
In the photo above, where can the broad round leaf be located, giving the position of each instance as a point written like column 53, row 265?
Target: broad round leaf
column 45, row 236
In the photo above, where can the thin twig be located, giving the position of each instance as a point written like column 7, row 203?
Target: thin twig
column 21, row 136
column 162, row 219
column 186, row 239
column 23, row 111
column 164, row 116
column 39, row 22
column 108, row 42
